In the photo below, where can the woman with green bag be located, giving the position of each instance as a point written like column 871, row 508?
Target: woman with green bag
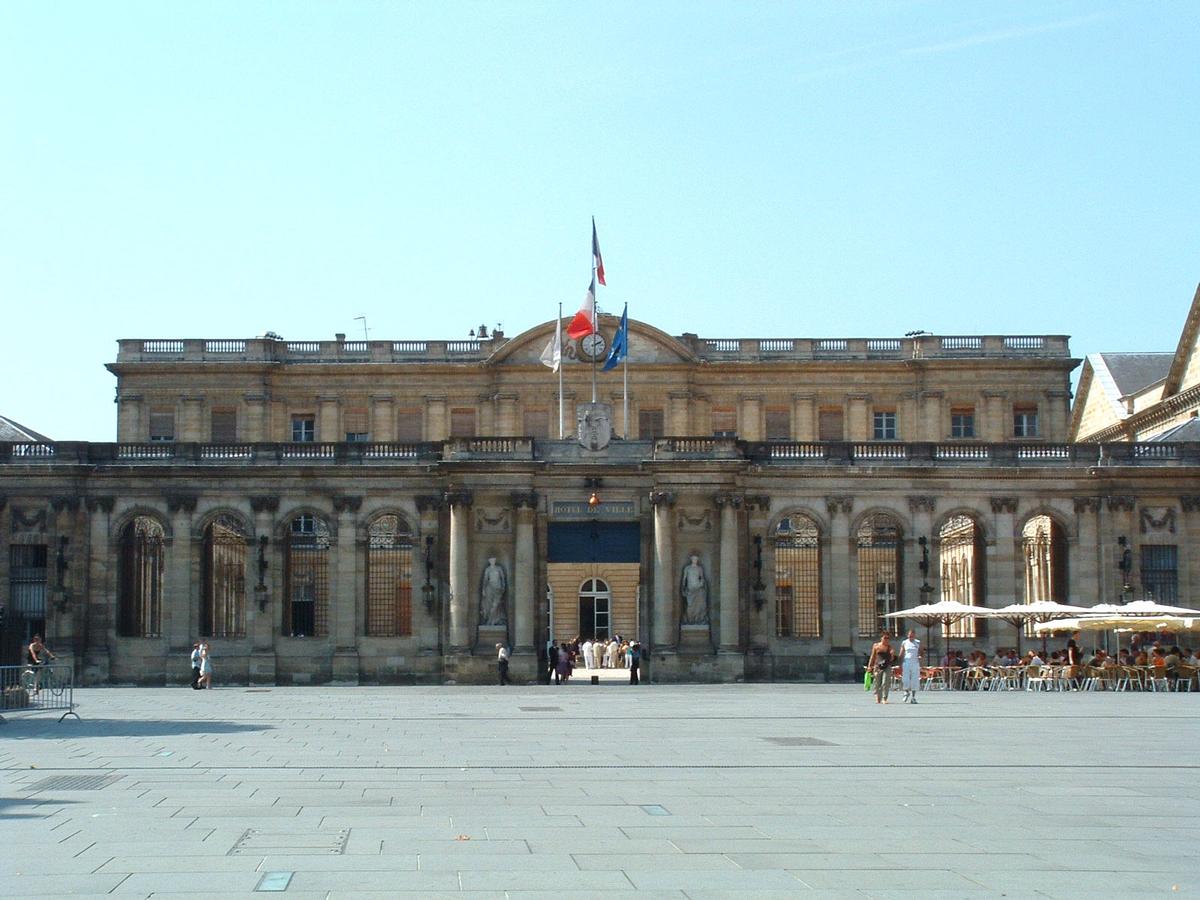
column 879, row 667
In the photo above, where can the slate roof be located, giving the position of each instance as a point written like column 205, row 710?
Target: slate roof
column 1134, row 372
column 1185, row 431
column 15, row 431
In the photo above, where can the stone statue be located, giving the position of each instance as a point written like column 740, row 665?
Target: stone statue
column 693, row 588
column 493, row 586
column 594, row 423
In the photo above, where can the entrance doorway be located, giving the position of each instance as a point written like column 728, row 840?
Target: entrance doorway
column 594, row 575
column 595, row 611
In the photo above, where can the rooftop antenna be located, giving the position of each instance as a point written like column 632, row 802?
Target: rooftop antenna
column 363, row 319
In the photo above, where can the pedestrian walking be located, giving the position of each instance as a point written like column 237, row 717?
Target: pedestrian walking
column 635, row 662
column 196, row 666
column 502, row 663
column 206, row 666
column 880, row 666
column 910, row 666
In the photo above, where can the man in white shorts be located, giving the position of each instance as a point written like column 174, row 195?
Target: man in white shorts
column 910, row 667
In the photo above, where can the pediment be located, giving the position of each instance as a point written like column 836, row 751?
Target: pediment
column 647, row 345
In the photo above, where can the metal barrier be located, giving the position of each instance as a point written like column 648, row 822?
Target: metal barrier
column 37, row 689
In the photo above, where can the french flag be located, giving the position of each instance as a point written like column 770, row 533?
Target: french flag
column 597, row 259
column 584, row 322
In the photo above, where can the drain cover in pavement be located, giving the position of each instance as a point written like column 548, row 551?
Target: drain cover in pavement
column 799, row 742
column 74, row 782
column 540, row 708
column 291, row 843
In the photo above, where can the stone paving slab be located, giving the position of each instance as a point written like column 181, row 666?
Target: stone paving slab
column 686, row 792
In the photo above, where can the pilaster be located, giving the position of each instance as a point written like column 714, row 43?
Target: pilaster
column 1084, row 566
column 729, row 599
column 804, row 417
column 347, row 606
column 842, row 612
column 181, row 599
column 460, row 502
column 524, row 573
column 1002, row 555
column 663, row 613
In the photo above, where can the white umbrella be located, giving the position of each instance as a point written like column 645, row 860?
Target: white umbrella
column 944, row 612
column 1121, row 623
column 1038, row 611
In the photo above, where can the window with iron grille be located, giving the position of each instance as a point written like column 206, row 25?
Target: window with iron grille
column 355, row 424
column 223, row 579
column 462, row 422
column 797, row 578
column 779, row 423
column 1025, row 421
column 650, row 424
column 140, row 578
column 162, row 424
column 306, row 607
column 536, row 423
column 885, row 425
column 960, row 562
column 724, row 421
column 962, row 422
column 27, row 581
column 389, row 578
column 409, row 426
column 1160, row 572
column 878, row 553
column 304, row 429
column 224, row 426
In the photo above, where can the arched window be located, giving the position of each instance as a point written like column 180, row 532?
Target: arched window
column 595, row 609
column 306, row 604
column 389, row 578
column 961, row 553
column 797, row 578
column 878, row 549
column 140, row 578
column 1044, row 547
column 223, row 596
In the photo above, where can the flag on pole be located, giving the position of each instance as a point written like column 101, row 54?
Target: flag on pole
column 620, row 344
column 552, row 355
column 597, row 259
column 584, row 322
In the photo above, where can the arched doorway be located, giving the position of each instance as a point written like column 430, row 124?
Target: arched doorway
column 595, row 610
column 878, row 555
column 961, row 570
column 223, row 576
column 1044, row 544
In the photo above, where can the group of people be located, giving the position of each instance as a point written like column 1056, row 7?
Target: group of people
column 202, row 668
column 883, row 657
column 615, row 653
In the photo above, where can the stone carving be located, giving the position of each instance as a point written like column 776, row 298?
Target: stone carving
column 699, row 521
column 758, row 501
column 835, row 504
column 594, row 425
column 723, row 500
column 1190, row 503
column 24, row 522
column 429, row 502
column 493, row 587
column 493, row 521
column 100, row 504
column 524, row 499
column 70, row 504
column 1004, row 504
column 346, row 504
column 1087, row 504
column 1157, row 519
column 921, row 504
column 181, row 503
column 693, row 589
column 662, row 498
column 264, row 504
column 1121, row 503
column 458, row 497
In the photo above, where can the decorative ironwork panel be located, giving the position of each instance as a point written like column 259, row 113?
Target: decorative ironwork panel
column 798, row 578
column 27, row 580
column 389, row 578
column 1160, row 572
column 878, row 548
column 140, row 576
column 306, row 610
column 223, row 612
column 960, row 563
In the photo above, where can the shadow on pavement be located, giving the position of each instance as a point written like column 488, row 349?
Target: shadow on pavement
column 30, row 729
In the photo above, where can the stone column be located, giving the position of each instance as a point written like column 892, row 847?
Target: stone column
column 437, row 422
column 383, row 418
column 857, row 427
column 98, row 622
column 255, row 425
column 729, row 595
column 346, row 612
column 1058, row 416
column 507, row 423
column 486, row 416
column 1085, row 585
column 1189, row 557
column 264, row 615
column 130, row 426
column 181, row 599
column 428, row 624
column 751, row 426
column 663, row 613
column 62, row 601
column 921, row 509
column 329, row 426
column 908, row 425
column 1119, row 522
column 524, row 573
column 931, row 416
column 678, row 409
column 804, row 417
column 460, row 570
column 1002, row 555
column 843, row 616
column 761, row 619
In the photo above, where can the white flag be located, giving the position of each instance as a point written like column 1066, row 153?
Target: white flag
column 552, row 355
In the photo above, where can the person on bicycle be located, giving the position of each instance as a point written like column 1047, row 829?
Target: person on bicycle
column 39, row 656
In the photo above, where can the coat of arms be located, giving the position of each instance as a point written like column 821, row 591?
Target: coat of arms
column 594, row 421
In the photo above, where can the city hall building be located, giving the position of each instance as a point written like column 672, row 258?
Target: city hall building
column 749, row 508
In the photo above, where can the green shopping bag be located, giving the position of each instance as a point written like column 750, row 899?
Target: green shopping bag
column 867, row 680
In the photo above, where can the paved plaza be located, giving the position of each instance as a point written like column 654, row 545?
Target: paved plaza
column 583, row 791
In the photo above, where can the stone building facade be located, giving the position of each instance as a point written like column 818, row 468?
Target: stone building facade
column 386, row 511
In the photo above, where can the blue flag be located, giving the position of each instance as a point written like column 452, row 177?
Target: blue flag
column 620, row 344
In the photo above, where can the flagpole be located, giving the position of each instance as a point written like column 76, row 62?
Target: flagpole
column 625, row 373
column 558, row 337
column 595, row 311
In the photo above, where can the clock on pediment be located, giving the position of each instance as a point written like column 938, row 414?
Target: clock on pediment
column 593, row 346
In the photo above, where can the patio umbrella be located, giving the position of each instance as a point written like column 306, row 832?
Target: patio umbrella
column 944, row 612
column 1123, row 623
column 1019, row 614
column 1141, row 608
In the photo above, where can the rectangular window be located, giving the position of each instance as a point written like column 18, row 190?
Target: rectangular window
column 1025, row 421
column 162, row 424
column 650, row 424
column 536, row 423
column 304, row 429
column 462, row 422
column 408, row 426
column 356, row 425
column 779, row 423
column 829, row 424
column 1160, row 572
column 224, row 426
column 885, row 425
column 724, row 421
column 962, row 422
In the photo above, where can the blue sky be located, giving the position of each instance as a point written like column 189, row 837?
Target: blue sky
column 755, row 169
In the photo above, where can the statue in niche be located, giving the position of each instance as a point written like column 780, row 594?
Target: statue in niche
column 493, row 587
column 693, row 589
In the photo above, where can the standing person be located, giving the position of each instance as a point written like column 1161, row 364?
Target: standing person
column 562, row 671
column 910, row 662
column 589, row 658
column 635, row 661
column 196, row 666
column 206, row 666
column 502, row 663
column 552, row 661
column 880, row 665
